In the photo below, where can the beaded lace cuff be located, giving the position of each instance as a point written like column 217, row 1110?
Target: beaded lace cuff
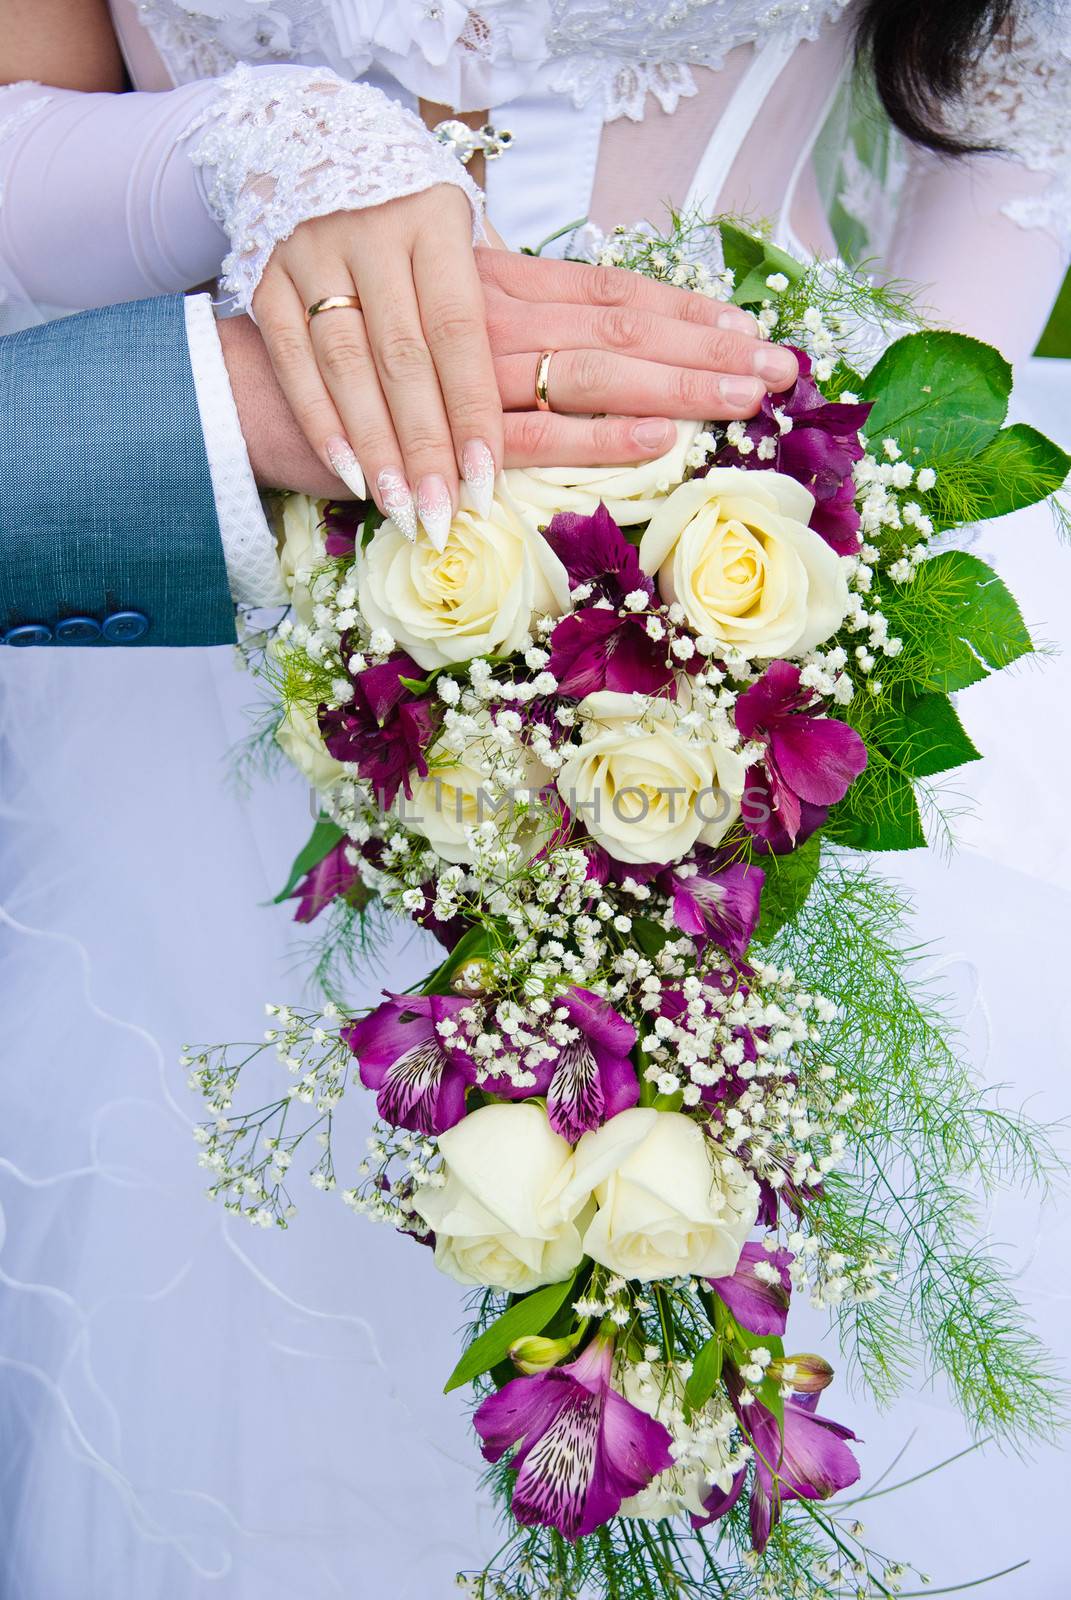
column 281, row 145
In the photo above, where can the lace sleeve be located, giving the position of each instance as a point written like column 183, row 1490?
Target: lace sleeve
column 279, row 146
column 1020, row 102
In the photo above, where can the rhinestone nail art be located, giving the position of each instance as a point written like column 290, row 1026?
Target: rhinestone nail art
column 396, row 498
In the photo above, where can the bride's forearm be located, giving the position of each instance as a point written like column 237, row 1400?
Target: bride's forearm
column 100, row 200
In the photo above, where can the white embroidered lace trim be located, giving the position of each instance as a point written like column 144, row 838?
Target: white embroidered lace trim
column 619, row 54
column 1021, row 103
column 486, row 54
column 248, row 542
column 283, row 144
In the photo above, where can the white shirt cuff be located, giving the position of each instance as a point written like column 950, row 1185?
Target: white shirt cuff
column 248, row 542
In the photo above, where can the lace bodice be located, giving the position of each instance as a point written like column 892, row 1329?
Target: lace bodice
column 611, row 51
column 1021, row 101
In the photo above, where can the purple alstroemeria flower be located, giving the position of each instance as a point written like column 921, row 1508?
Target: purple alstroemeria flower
column 719, row 1501
column 385, row 729
column 819, row 450
column 758, row 1303
column 419, row 1076
column 715, row 900
column 342, row 525
column 810, row 1461
column 592, row 1078
column 600, row 648
column 594, row 550
column 810, row 759
column 328, row 879
column 758, row 812
column 582, row 1448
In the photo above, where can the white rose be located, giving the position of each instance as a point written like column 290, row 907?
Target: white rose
column 298, row 737
column 642, row 787
column 668, row 1203
column 630, row 494
column 501, row 1218
column 479, row 596
column 461, row 791
column 735, row 550
column 303, row 548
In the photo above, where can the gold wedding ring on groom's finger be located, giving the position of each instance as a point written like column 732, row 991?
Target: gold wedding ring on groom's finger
column 333, row 302
column 542, row 380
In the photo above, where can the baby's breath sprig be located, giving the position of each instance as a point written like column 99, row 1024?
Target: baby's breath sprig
column 249, row 1154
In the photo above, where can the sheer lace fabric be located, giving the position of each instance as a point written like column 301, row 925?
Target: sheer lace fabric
column 1020, row 102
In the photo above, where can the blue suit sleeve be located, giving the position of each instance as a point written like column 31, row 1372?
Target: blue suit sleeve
column 108, row 527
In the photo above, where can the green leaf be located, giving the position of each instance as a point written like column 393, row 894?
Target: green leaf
column 475, row 944
column 323, row 839
column 648, row 935
column 788, row 883
column 959, row 623
column 922, row 737
column 880, row 811
column 768, row 1392
column 752, row 261
column 526, row 1316
column 705, row 1374
column 374, row 519
column 844, row 377
column 937, row 394
column 1018, row 467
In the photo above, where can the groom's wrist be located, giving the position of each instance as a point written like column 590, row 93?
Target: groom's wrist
column 279, row 454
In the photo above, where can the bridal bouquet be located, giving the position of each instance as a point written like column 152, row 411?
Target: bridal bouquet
column 623, row 747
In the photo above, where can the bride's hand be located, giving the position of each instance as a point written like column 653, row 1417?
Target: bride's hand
column 413, row 385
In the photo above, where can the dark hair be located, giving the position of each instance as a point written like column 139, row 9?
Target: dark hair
column 921, row 53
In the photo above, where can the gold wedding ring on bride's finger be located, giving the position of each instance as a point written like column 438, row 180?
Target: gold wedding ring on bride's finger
column 542, row 380
column 333, row 302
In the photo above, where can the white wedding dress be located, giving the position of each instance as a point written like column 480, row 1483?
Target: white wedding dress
column 188, row 1408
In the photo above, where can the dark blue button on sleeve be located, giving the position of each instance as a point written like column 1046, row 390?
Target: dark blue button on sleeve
column 28, row 633
column 77, row 630
column 123, row 627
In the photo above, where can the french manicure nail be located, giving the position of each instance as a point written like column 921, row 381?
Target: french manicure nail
column 396, row 498
column 435, row 508
column 478, row 471
column 344, row 465
column 736, row 321
column 654, row 433
column 774, row 365
column 740, row 391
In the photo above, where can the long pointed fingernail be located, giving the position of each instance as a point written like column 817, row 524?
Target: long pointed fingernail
column 344, row 465
column 435, row 508
column 396, row 498
column 478, row 471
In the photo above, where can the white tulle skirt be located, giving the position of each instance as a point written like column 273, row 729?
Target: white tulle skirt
column 192, row 1408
